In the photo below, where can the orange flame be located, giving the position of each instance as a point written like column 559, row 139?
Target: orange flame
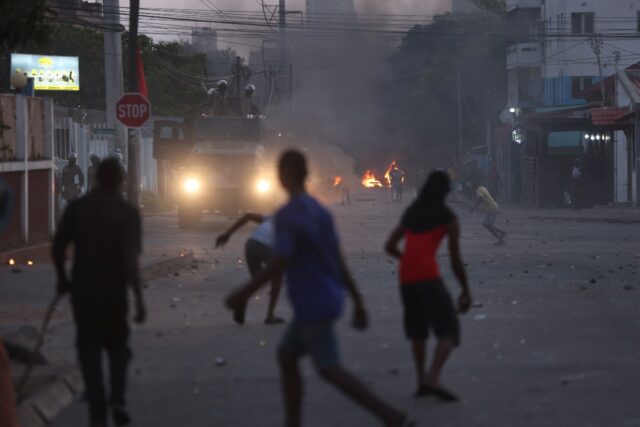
column 369, row 180
column 387, row 175
column 337, row 180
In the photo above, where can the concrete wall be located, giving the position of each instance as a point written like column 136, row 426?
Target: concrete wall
column 28, row 172
column 574, row 56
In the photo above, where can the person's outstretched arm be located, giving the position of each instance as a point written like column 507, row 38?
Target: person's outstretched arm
column 478, row 203
column 464, row 301
column 391, row 247
column 224, row 237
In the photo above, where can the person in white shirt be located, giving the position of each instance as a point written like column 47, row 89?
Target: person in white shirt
column 258, row 252
column 492, row 210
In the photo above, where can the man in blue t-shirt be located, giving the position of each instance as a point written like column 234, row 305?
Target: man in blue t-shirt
column 307, row 250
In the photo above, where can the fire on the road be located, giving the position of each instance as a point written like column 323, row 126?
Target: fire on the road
column 337, row 180
column 369, row 180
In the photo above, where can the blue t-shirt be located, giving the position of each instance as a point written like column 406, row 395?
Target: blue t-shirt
column 306, row 236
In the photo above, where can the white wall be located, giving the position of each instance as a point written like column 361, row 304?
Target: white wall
column 573, row 56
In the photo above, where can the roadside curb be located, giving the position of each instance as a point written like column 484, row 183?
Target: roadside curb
column 44, row 405
column 627, row 221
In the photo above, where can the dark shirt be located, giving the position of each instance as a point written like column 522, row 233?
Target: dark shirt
column 106, row 232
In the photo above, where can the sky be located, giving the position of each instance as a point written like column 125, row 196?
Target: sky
column 398, row 7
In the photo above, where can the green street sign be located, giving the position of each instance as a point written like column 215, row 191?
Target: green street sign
column 103, row 131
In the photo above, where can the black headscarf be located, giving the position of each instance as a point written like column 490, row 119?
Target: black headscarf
column 429, row 211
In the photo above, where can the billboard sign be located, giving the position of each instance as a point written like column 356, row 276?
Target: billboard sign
column 48, row 72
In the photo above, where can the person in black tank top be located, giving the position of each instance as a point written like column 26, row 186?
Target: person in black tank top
column 427, row 303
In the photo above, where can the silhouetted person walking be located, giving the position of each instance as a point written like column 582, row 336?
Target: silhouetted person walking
column 307, row 247
column 106, row 233
column 428, row 306
column 72, row 180
column 91, row 171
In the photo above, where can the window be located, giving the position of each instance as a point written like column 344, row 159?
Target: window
column 578, row 84
column 583, row 23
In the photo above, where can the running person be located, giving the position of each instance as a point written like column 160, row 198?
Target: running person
column 258, row 252
column 427, row 303
column 307, row 247
column 492, row 210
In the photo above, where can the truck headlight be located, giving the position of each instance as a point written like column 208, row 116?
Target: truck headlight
column 263, row 186
column 191, row 185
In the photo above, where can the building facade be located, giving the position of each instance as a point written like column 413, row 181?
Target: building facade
column 561, row 47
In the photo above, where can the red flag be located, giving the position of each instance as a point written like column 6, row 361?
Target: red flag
column 142, row 83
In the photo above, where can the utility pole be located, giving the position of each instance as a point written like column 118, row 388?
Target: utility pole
column 282, row 23
column 459, row 90
column 133, row 148
column 596, row 45
column 113, row 68
column 238, row 75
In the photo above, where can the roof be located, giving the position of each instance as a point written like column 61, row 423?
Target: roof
column 608, row 116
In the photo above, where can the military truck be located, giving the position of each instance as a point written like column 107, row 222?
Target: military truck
column 215, row 164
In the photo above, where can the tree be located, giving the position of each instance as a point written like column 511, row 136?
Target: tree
column 174, row 73
column 424, row 111
column 22, row 22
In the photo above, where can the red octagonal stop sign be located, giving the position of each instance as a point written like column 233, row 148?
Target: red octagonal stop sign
column 133, row 110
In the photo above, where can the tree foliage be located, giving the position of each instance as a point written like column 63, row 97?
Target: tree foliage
column 173, row 71
column 424, row 113
column 22, row 22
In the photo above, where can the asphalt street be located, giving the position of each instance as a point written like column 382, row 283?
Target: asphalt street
column 553, row 340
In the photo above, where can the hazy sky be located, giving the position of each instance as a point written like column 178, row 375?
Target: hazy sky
column 398, row 7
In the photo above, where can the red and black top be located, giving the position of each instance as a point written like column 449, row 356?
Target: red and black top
column 424, row 230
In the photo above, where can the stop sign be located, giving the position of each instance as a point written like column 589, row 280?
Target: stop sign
column 133, row 110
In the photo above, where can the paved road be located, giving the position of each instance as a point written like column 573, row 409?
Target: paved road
column 555, row 342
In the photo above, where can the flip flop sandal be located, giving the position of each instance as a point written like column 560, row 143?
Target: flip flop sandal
column 274, row 321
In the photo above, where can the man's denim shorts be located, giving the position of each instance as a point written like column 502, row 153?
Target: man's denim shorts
column 317, row 339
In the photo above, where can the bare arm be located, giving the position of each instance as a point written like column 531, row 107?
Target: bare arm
column 224, row 237
column 391, row 247
column 464, row 302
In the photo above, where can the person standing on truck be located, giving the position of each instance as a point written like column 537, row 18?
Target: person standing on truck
column 258, row 252
column 307, row 248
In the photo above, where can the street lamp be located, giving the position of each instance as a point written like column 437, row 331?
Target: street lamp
column 18, row 81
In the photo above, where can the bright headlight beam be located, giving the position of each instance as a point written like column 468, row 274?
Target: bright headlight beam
column 263, row 186
column 191, row 185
